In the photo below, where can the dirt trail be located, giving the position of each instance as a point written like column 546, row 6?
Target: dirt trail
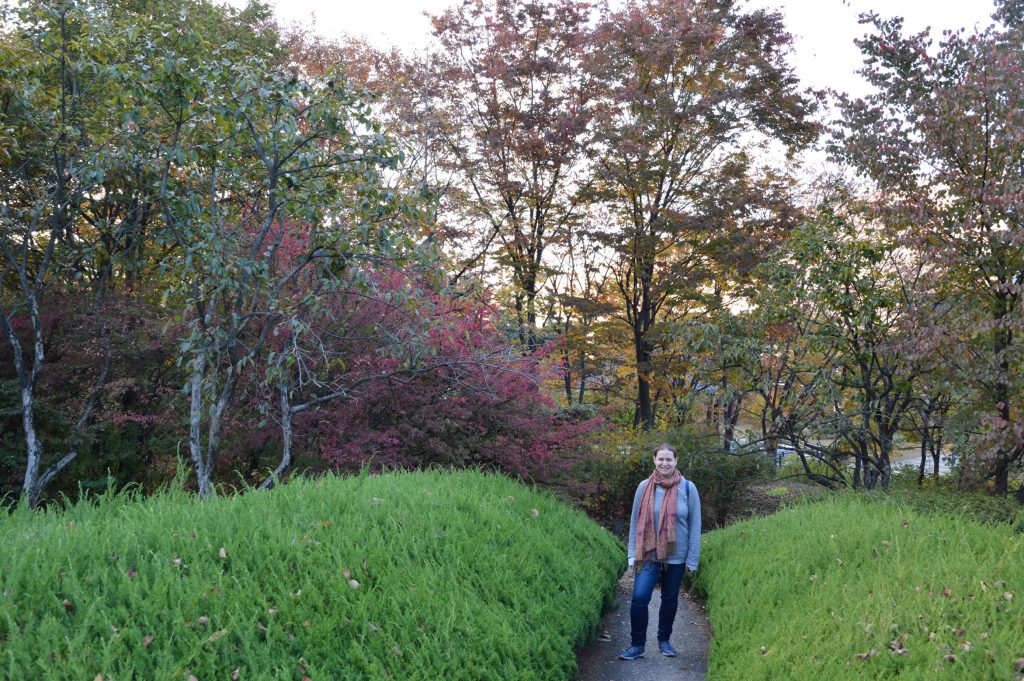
column 691, row 636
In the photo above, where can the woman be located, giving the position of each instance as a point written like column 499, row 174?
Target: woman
column 664, row 542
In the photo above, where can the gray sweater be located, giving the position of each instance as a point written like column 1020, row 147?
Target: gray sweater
column 687, row 523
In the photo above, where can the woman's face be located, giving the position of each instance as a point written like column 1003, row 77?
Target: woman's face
column 665, row 461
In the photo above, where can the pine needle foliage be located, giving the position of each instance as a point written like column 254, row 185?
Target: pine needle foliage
column 427, row 575
column 857, row 588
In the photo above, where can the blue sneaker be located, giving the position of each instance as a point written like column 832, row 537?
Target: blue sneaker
column 666, row 649
column 631, row 653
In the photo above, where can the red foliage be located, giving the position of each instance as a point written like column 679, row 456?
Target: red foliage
column 466, row 398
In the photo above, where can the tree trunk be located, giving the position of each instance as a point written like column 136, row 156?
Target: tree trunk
column 567, row 375
column 732, row 417
column 195, row 442
column 34, row 447
column 27, row 379
column 644, row 414
column 885, row 474
column 583, row 377
column 924, row 457
column 1002, row 339
column 286, row 438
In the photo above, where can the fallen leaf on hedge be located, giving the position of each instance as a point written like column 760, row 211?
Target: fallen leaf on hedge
column 236, row 674
column 984, row 586
column 886, row 543
column 966, row 645
column 147, row 641
column 376, row 501
column 864, row 656
column 216, row 636
column 353, row 583
column 535, row 513
column 223, row 553
column 99, row 677
column 959, row 632
column 896, row 646
column 373, row 627
column 68, row 605
column 396, row 650
column 1007, row 596
column 203, row 621
column 345, row 571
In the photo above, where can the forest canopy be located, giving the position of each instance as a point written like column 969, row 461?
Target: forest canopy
column 254, row 250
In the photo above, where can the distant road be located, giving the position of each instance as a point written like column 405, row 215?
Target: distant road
column 914, row 460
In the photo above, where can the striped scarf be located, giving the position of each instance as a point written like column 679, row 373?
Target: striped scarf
column 660, row 547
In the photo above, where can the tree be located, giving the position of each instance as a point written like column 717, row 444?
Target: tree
column 287, row 191
column 519, row 106
column 942, row 138
column 67, row 219
column 684, row 86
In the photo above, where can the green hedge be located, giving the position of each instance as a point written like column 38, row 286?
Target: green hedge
column 453, row 576
column 836, row 589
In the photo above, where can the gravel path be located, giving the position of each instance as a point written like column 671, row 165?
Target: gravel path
column 691, row 636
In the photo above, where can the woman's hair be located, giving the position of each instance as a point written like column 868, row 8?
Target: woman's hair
column 665, row 445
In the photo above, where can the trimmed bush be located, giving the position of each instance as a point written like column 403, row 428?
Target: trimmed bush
column 854, row 588
column 426, row 575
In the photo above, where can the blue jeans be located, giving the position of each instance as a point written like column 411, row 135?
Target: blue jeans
column 671, row 577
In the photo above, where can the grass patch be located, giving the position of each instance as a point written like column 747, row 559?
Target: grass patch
column 941, row 497
column 453, row 576
column 835, row 589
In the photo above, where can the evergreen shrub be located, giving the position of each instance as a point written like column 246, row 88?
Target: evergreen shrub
column 862, row 586
column 426, row 575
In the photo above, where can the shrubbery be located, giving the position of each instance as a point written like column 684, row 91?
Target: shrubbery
column 941, row 497
column 719, row 475
column 407, row 576
column 863, row 586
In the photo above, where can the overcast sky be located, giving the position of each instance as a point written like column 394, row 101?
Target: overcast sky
column 825, row 55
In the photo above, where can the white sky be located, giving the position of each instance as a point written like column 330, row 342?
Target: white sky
column 825, row 55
